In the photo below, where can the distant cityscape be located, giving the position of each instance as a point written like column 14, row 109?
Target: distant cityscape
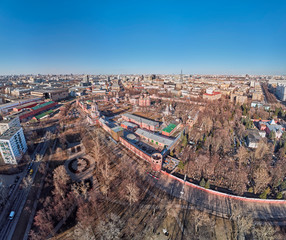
column 73, row 142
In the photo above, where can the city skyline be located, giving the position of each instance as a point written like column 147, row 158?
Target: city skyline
column 161, row 37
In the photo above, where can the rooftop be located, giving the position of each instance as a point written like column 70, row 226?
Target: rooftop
column 50, row 90
column 155, row 137
column 141, row 119
column 8, row 118
column 42, row 105
column 272, row 126
column 43, row 114
column 27, row 105
column 117, row 129
column 129, row 124
column 20, row 113
column 9, row 133
column 213, row 94
column 169, row 128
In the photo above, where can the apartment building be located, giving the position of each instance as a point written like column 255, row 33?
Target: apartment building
column 12, row 145
column 8, row 122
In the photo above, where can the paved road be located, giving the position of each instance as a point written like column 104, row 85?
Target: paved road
column 18, row 198
column 222, row 206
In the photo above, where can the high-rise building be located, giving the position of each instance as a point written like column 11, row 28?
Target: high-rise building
column 281, row 91
column 85, row 81
column 13, row 145
column 8, row 122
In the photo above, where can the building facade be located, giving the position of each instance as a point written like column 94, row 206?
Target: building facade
column 281, row 92
column 8, row 122
column 13, row 145
column 142, row 122
column 211, row 95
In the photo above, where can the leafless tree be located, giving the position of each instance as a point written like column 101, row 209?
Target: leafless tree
column 241, row 224
column 132, row 192
column 261, row 177
column 261, row 150
column 264, row 232
column 33, row 235
column 111, row 228
column 44, row 221
column 27, row 181
column 60, row 178
column 242, row 155
column 80, row 189
column 83, row 233
column 38, row 158
column 200, row 219
column 42, row 168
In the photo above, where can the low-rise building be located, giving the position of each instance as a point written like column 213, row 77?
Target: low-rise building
column 142, row 122
column 129, row 126
column 253, row 139
column 51, row 93
column 271, row 126
column 170, row 129
column 153, row 138
column 211, row 95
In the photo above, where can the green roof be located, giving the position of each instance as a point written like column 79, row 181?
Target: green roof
column 44, row 114
column 117, row 129
column 42, row 105
column 169, row 128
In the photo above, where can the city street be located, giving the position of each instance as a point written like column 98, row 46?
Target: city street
column 18, row 197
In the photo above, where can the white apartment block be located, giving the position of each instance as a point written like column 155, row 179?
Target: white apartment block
column 13, row 145
column 281, row 91
column 9, row 122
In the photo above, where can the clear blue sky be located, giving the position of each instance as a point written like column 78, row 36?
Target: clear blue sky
column 66, row 36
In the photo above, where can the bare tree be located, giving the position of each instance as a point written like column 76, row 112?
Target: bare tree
column 27, row 181
column 264, row 232
column 111, row 228
column 104, row 188
column 242, row 155
column 83, row 233
column 80, row 189
column 261, row 150
column 61, row 179
column 261, row 177
column 42, row 168
column 132, row 193
column 38, row 158
column 200, row 219
column 241, row 224
column 44, row 221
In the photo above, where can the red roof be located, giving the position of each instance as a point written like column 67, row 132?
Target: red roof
column 213, row 94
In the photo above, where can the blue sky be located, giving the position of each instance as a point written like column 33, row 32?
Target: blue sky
column 97, row 37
